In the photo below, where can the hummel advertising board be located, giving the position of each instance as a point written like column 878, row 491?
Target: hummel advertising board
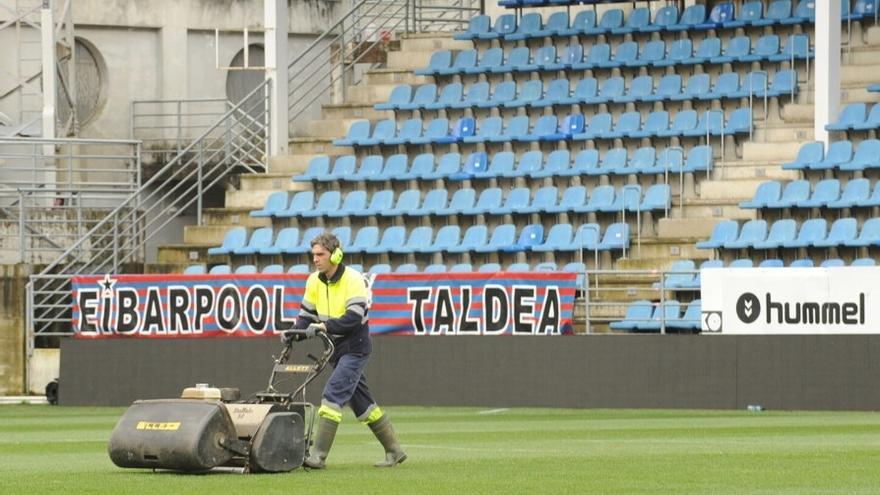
column 790, row 301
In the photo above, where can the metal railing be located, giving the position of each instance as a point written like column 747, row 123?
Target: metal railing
column 328, row 63
column 52, row 190
column 169, row 126
column 237, row 141
column 655, row 285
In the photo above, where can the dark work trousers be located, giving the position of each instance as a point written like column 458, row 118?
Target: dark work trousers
column 348, row 385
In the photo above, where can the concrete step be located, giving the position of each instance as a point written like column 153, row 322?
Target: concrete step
column 656, row 247
column 432, row 42
column 368, row 94
column 410, row 60
column 269, row 183
column 773, row 152
column 750, row 170
column 395, row 76
column 732, row 190
column 692, row 226
column 355, row 111
column 292, row 164
column 317, row 146
column 163, row 268
column 794, row 131
column 183, row 254
column 246, row 199
column 861, row 73
column 330, row 128
column 227, row 217
column 205, row 234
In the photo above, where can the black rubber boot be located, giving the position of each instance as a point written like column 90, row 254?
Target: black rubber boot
column 323, row 441
column 394, row 453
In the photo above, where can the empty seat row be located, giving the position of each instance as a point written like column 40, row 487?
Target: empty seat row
column 548, row 128
column 840, row 156
column 567, row 91
column 645, row 316
column 627, row 54
column 533, row 164
column 786, row 233
column 855, row 117
column 723, row 15
column 573, row 267
column 244, row 269
column 827, row 193
column 466, row 201
column 448, row 239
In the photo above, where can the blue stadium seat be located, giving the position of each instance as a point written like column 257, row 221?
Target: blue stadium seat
column 864, row 9
column 531, row 235
column 400, row 95
column 600, row 199
column 736, row 50
column 304, row 245
column 657, row 197
column 477, row 93
column 395, row 166
column 806, row 12
column 545, row 126
column 517, row 127
column 629, row 197
column 584, row 161
column 366, row 237
column 419, row 239
column 680, row 274
column 585, row 90
column 558, row 163
column 726, row 86
column 767, row 192
column 195, row 270
column 392, row 237
column 826, row 190
column 600, row 53
column 317, row 167
column 477, row 167
column 812, row 231
column 580, row 269
column 670, row 159
column 491, row 58
column 655, row 123
column 463, row 60
column 803, row 263
column 275, row 203
column 711, row 121
column 489, row 201
column 504, row 24
column 439, row 60
column 384, row 129
column 547, row 59
column 583, row 22
column 679, row 51
column 613, row 160
column 435, row 199
column 724, row 231
column 665, row 17
column 433, row 268
column 529, row 163
column 874, row 199
column 668, row 88
column 794, row 192
column 424, row 95
column 328, row 202
column 461, row 200
column 586, row 237
column 474, row 238
column 856, row 191
column 809, row 154
column 558, row 239
column 832, row 263
column 771, row 263
column 611, row 19
column 485, row 268
column 287, row 237
column 639, row 88
column 776, row 13
column 557, row 92
column 839, row 152
column 572, row 198
column 246, row 270
column 627, row 123
column 697, row 86
column 572, row 54
column 379, row 268
column 302, row 201
column 463, row 128
column 868, row 236
column 423, row 168
column 643, row 159
column 748, row 13
column 852, row 114
column 616, row 237
column 696, row 282
column 370, row 166
column 355, row 201
column 504, row 235
column 690, row 321
column 625, row 55
column 684, row 121
column 784, row 83
column 708, row 49
column 668, row 311
column 867, row 156
column 721, row 13
column 599, row 126
column 220, row 270
column 447, row 238
column 638, row 19
column 343, row 233
column 699, row 159
column 797, row 45
column 436, row 129
column 654, row 52
column 518, row 198
column 739, row 122
column 752, row 231
column 692, row 16
column 449, row 95
column 409, row 130
column 480, row 24
column 556, row 24
column 235, row 238
column 864, row 262
column 358, row 130
column 532, row 91
column 842, row 231
column 529, row 25
column 637, row 312
column 502, row 93
column 489, row 128
column 871, row 122
column 547, row 266
column 343, row 167
column 781, row 232
column 517, row 58
column 300, row 268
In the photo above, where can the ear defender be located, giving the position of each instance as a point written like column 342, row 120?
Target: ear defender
column 336, row 256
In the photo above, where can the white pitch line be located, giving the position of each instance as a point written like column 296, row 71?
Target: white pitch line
column 494, row 411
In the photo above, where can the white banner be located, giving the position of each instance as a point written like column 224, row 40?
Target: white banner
column 790, row 300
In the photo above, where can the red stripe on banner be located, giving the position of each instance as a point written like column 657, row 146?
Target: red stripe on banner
column 173, row 277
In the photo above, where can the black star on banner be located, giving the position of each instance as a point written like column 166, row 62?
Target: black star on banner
column 107, row 284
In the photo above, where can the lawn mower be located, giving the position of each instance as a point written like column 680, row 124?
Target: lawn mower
column 210, row 427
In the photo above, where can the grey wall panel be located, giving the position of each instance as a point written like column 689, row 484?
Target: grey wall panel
column 778, row 372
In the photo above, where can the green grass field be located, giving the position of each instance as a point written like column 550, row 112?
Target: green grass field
column 47, row 449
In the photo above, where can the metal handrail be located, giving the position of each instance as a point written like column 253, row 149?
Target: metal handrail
column 638, row 191
column 751, row 108
column 680, row 177
column 120, row 237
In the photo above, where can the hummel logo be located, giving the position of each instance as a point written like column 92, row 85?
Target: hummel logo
column 748, row 308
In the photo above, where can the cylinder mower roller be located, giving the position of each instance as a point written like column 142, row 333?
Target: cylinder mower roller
column 209, row 428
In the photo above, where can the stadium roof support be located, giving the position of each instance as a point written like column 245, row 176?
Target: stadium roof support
column 275, row 12
column 827, row 85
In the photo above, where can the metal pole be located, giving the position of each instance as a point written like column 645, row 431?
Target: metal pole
column 21, row 224
column 179, row 125
column 115, row 243
column 638, row 190
column 199, row 191
column 795, row 78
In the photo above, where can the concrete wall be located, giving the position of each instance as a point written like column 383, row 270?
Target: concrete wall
column 793, row 372
column 12, row 345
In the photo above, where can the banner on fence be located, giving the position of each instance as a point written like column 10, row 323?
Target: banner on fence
column 753, row 301
column 167, row 306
